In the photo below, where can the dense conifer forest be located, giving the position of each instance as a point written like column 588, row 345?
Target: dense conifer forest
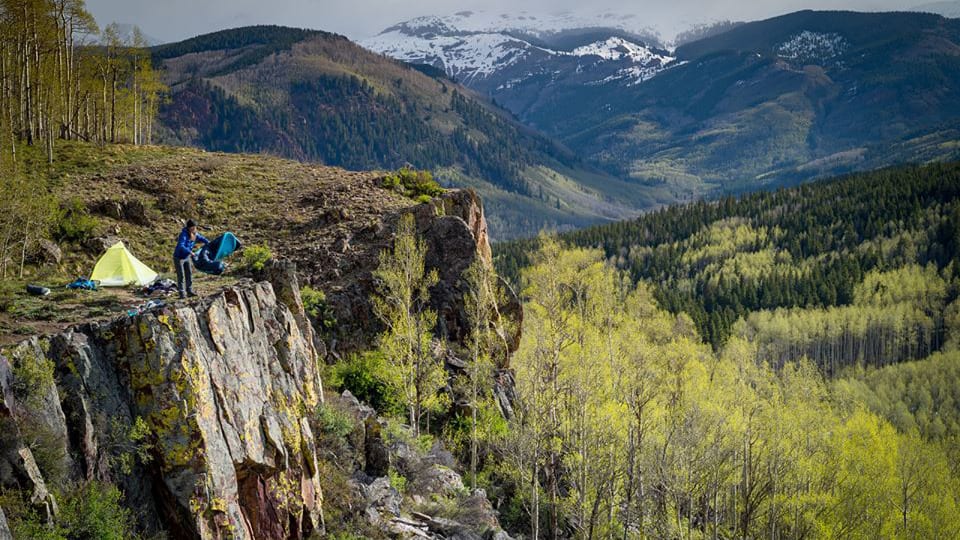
column 801, row 257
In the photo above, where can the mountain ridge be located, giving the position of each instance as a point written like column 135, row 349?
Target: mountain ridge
column 317, row 96
column 758, row 105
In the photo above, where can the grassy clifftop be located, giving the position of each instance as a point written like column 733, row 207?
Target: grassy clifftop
column 142, row 194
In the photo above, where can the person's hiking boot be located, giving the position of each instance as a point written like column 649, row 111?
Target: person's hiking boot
column 192, row 294
column 182, row 295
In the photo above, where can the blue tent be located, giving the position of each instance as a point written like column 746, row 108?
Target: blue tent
column 210, row 258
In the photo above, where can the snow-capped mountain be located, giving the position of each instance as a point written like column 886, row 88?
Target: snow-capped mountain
column 539, row 26
column 510, row 54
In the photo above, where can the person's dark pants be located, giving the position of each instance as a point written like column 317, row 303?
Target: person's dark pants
column 184, row 276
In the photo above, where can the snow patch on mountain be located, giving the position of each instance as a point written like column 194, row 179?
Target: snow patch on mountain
column 616, row 48
column 810, row 46
column 464, row 57
column 524, row 22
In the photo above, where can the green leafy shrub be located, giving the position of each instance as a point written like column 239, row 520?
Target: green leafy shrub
column 87, row 511
column 93, row 510
column 32, row 382
column 255, row 257
column 315, row 304
column 74, row 221
column 397, row 480
column 368, row 377
column 32, row 379
column 417, row 185
column 333, row 421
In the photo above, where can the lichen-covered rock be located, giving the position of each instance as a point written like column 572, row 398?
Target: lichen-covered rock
column 438, row 480
column 218, row 394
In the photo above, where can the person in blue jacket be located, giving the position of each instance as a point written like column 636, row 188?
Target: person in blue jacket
column 183, row 257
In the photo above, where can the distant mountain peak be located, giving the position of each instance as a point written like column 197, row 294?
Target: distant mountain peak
column 525, row 23
column 489, row 50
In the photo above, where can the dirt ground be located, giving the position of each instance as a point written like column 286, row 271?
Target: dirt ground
column 26, row 315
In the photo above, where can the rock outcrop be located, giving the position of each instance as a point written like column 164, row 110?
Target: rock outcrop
column 198, row 412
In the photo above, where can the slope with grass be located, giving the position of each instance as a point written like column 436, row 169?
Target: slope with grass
column 324, row 218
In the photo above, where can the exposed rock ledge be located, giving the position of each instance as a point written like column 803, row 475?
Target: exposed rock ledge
column 224, row 385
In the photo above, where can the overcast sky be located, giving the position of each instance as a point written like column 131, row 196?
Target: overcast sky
column 172, row 20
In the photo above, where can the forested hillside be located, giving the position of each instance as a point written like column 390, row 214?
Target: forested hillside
column 859, row 268
column 628, row 425
column 826, row 406
column 318, row 97
column 773, row 102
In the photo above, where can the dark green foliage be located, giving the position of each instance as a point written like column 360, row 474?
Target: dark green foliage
column 834, row 232
column 75, row 222
column 316, row 306
column 367, row 376
column 93, row 511
column 430, row 71
column 345, row 121
column 260, row 41
column 221, row 123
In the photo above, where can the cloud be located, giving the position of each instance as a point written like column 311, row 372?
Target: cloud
column 173, row 20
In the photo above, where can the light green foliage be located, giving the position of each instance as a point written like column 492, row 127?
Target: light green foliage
column 255, row 257
column 27, row 211
column 896, row 315
column 919, row 286
column 481, row 301
column 919, row 396
column 417, row 185
column 397, row 481
column 627, row 424
column 401, row 303
column 129, row 445
column 33, row 379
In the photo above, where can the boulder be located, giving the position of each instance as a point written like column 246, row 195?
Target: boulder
column 129, row 210
column 376, row 453
column 383, row 500
column 438, row 480
column 46, row 253
column 99, row 244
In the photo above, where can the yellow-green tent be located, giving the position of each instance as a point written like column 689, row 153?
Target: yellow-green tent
column 118, row 268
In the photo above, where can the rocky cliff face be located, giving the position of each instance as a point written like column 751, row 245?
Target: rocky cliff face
column 341, row 250
column 198, row 412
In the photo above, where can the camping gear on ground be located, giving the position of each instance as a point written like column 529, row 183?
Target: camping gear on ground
column 209, row 259
column 83, row 284
column 152, row 304
column 37, row 290
column 160, row 286
column 118, row 268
